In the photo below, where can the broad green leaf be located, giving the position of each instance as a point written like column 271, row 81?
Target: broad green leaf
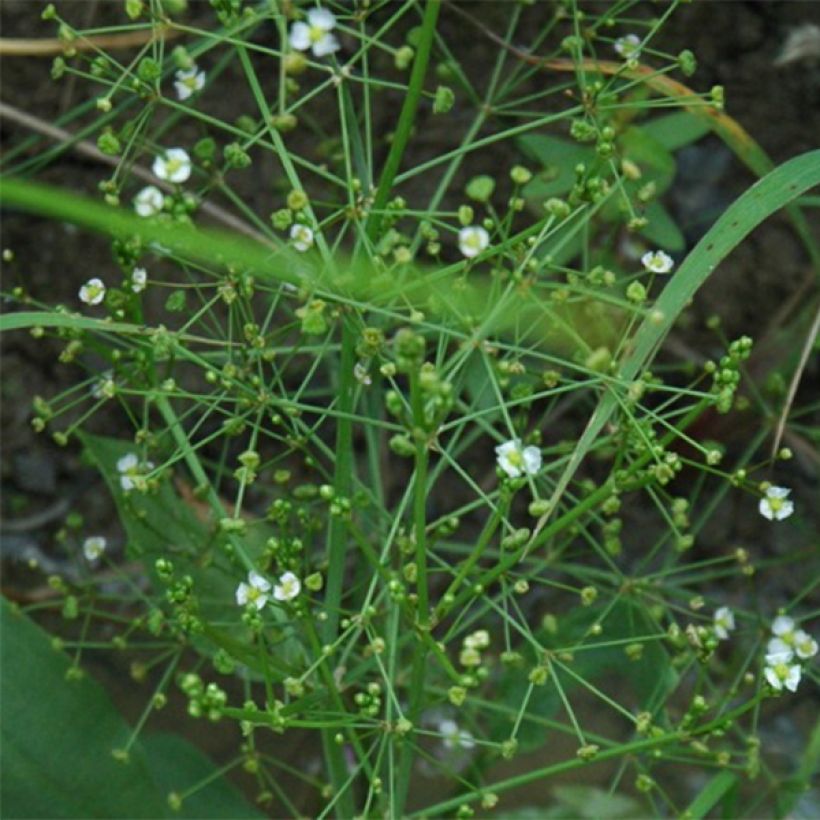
column 558, row 159
column 176, row 766
column 57, row 742
column 677, row 130
column 656, row 163
column 662, row 232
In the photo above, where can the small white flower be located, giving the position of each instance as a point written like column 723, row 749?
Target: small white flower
column 775, row 505
column 139, row 278
column 361, row 374
column 173, row 165
column 453, row 737
column 472, row 240
column 254, row 592
column 92, row 292
column 804, row 645
column 288, row 587
column 780, row 672
column 149, row 201
column 302, row 237
column 132, row 471
column 628, row 46
column 188, row 81
column 516, row 461
column 724, row 621
column 315, row 34
column 104, row 387
column 94, row 547
column 657, row 262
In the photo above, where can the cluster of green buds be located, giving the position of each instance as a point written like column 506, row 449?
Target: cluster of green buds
column 471, row 648
column 203, row 700
column 588, row 188
column 370, row 700
column 180, row 595
column 726, row 373
column 249, row 461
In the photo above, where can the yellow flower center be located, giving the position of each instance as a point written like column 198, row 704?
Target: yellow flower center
column 316, row 33
column 516, row 458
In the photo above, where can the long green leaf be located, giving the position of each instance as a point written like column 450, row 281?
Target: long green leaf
column 709, row 796
column 57, row 739
column 765, row 197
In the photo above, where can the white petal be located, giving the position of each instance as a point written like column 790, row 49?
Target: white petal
column 778, row 658
column 300, row 37
column 785, row 510
column 242, row 594
column 327, row 45
column 777, row 647
column 782, row 625
column 260, row 601
column 257, row 581
column 321, row 18
column 127, row 462
column 532, row 460
column 765, row 509
column 183, row 90
column 793, row 678
column 777, row 492
column 771, row 676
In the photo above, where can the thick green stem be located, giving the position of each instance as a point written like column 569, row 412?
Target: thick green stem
column 406, row 118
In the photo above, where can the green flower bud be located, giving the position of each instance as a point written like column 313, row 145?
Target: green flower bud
column 444, row 100
column 480, row 188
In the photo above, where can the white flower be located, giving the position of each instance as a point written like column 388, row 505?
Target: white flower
column 104, row 387
column 804, row 645
column 361, row 374
column 288, row 587
column 780, row 672
column 515, row 461
column 92, row 292
column 315, row 34
column 149, row 201
column 453, row 737
column 774, row 505
column 628, row 45
column 189, row 81
column 132, row 471
column 472, row 240
column 173, row 165
column 657, row 261
column 254, row 592
column 94, row 547
column 139, row 278
column 724, row 620
column 302, row 237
